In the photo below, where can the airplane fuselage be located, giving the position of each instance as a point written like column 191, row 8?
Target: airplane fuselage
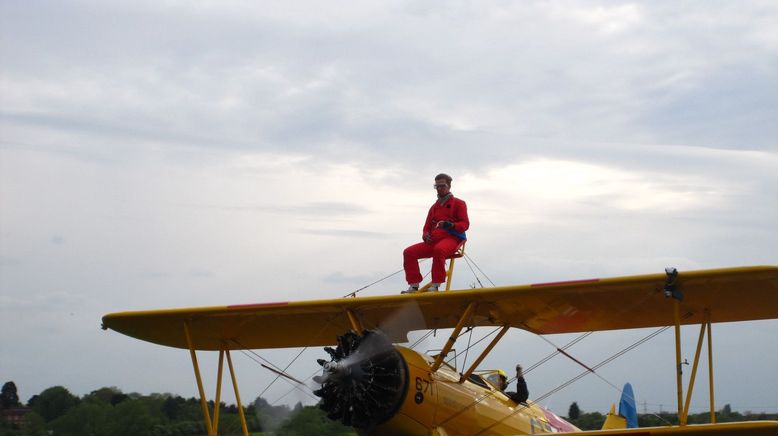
column 436, row 403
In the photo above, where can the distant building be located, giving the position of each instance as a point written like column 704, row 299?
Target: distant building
column 15, row 415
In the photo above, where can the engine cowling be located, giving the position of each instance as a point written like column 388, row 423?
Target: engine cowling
column 364, row 383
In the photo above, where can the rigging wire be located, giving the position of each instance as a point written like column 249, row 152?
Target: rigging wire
column 476, row 343
column 318, row 334
column 535, row 365
column 469, row 340
column 421, row 339
column 467, row 256
column 468, row 261
column 591, row 370
column 474, row 274
column 305, row 380
column 251, row 355
column 284, row 371
column 354, row 294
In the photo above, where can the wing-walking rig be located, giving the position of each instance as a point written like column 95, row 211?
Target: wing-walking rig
column 380, row 388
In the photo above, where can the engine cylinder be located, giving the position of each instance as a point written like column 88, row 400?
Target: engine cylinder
column 365, row 382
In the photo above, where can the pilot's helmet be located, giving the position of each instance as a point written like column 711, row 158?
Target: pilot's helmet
column 498, row 379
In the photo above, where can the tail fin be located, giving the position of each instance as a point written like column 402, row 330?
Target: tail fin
column 628, row 413
column 627, row 407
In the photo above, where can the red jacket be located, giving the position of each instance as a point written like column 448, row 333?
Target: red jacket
column 454, row 210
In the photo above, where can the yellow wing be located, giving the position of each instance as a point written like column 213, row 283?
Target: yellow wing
column 731, row 294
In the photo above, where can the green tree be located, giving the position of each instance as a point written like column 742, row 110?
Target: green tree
column 589, row 421
column 131, row 418
column 311, row 420
column 53, row 403
column 105, row 394
column 89, row 418
column 9, row 398
column 269, row 416
column 34, row 425
column 574, row 412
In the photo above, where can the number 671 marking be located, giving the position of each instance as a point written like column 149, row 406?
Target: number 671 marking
column 423, row 385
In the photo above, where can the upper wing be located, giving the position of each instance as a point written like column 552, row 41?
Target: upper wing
column 731, row 294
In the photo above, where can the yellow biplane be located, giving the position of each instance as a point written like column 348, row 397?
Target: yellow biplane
column 384, row 389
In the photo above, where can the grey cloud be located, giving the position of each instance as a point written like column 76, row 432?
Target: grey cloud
column 345, row 233
column 318, row 209
column 155, row 275
column 200, row 273
column 334, row 90
column 339, row 278
column 8, row 261
column 110, row 128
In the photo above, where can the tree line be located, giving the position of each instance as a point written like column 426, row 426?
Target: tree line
column 110, row 412
column 594, row 420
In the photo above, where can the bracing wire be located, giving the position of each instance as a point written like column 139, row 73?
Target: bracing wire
column 468, row 261
column 354, row 294
column 285, row 368
column 474, row 274
column 474, row 344
column 591, row 370
column 467, row 349
column 530, row 368
column 467, row 256
column 295, row 386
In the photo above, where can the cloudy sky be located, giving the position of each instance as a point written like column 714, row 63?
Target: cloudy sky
column 159, row 154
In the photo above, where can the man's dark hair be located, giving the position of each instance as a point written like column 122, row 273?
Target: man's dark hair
column 444, row 176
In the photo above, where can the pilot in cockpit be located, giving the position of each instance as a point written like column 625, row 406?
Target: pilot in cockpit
column 499, row 380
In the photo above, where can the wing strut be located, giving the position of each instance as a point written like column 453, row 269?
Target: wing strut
column 710, row 374
column 484, row 353
column 213, row 426
column 453, row 338
column 694, row 367
column 196, row 366
column 355, row 324
column 678, row 363
column 671, row 290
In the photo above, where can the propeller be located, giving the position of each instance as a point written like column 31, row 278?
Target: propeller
column 364, row 382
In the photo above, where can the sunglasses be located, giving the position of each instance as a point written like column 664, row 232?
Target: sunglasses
column 439, row 185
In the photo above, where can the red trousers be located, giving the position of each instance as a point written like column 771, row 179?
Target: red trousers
column 437, row 250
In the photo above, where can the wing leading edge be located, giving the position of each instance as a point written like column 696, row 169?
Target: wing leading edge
column 727, row 295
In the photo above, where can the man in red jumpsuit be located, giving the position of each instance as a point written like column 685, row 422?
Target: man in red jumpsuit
column 444, row 230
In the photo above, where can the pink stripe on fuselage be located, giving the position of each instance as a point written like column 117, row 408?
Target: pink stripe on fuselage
column 558, row 423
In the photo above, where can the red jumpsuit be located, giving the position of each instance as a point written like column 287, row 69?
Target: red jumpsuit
column 440, row 244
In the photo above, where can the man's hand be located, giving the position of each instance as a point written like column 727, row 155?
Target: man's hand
column 446, row 224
